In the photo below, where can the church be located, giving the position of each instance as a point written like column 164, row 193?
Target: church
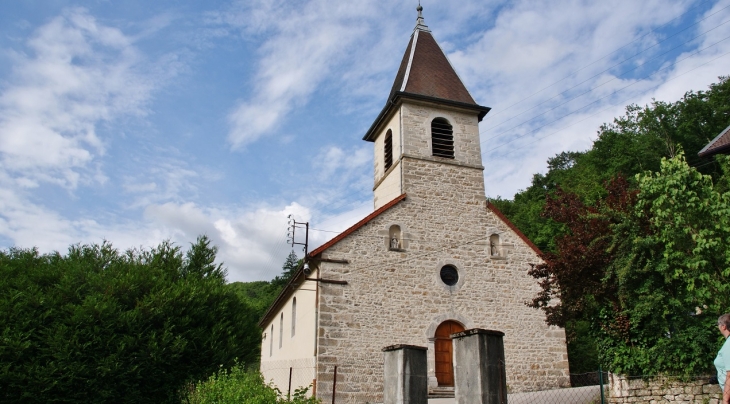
column 434, row 258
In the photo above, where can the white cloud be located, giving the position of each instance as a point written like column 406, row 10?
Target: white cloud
column 252, row 243
column 75, row 74
column 553, row 77
column 307, row 47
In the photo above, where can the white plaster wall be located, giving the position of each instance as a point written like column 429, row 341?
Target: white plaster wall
column 390, row 187
column 387, row 184
column 392, row 124
column 297, row 351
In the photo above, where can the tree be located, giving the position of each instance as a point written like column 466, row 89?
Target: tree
column 97, row 325
column 631, row 144
column 287, row 271
column 648, row 268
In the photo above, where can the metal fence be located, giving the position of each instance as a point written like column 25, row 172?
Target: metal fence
column 347, row 384
column 290, row 375
column 586, row 388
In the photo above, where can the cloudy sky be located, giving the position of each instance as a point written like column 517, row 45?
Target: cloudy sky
column 139, row 121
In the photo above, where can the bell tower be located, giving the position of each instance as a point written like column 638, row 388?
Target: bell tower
column 428, row 131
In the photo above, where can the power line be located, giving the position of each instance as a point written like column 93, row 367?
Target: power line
column 613, row 93
column 611, row 53
column 602, row 84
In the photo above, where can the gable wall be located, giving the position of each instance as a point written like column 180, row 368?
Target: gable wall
column 398, row 297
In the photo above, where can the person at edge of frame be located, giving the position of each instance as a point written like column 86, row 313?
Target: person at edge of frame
column 722, row 361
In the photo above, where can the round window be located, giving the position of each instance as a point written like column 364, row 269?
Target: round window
column 449, row 275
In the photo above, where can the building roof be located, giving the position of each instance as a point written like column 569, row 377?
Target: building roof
column 720, row 144
column 290, row 286
column 426, row 74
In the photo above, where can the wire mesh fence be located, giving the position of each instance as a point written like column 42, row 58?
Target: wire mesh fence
column 585, row 388
column 290, row 375
column 344, row 384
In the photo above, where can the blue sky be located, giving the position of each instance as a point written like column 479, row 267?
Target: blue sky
column 141, row 121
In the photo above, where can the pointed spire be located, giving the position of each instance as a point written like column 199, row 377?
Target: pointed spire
column 425, row 74
column 420, row 24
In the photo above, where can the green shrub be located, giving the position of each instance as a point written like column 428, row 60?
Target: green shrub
column 238, row 385
column 97, row 325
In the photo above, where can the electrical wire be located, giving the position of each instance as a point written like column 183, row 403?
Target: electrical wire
column 602, row 84
column 592, row 115
column 611, row 53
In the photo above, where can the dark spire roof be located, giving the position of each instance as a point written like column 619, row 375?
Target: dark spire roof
column 720, row 144
column 425, row 73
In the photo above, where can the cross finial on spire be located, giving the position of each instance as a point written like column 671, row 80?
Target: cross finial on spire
column 420, row 24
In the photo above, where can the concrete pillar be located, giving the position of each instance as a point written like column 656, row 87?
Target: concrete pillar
column 406, row 378
column 479, row 371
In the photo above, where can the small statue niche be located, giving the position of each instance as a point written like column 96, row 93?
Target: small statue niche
column 395, row 238
column 494, row 245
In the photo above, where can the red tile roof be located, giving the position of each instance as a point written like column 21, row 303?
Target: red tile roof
column 514, row 228
column 720, row 144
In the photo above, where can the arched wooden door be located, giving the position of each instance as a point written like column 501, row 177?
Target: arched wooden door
column 445, row 352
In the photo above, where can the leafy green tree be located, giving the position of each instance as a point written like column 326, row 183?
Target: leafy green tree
column 648, row 268
column 674, row 272
column 97, row 325
column 631, row 144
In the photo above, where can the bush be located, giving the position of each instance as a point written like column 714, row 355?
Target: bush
column 238, row 385
column 97, row 325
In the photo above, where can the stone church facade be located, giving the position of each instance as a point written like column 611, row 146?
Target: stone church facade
column 435, row 257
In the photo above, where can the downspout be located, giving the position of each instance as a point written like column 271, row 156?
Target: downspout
column 316, row 333
column 316, row 313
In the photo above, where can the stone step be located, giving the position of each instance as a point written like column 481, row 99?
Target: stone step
column 441, row 392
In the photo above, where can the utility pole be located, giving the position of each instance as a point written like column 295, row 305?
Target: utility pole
column 291, row 235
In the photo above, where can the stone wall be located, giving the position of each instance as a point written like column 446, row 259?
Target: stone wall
column 398, row 297
column 662, row 390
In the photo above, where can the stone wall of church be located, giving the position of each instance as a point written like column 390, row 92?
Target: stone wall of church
column 397, row 297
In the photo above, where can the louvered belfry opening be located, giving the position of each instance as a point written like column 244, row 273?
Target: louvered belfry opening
column 388, row 149
column 442, row 138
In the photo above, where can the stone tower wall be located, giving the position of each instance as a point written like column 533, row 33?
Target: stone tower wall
column 417, row 119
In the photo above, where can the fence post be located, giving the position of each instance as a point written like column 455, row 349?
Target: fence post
column 288, row 393
column 406, row 376
column 479, row 377
column 600, row 383
column 334, row 385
